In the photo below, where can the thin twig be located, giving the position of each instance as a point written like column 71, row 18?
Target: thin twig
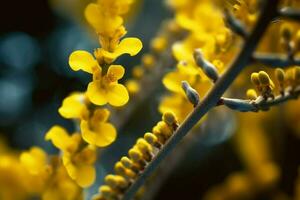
column 275, row 60
column 269, row 12
column 263, row 104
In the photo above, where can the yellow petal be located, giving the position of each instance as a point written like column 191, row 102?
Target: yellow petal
column 70, row 167
column 103, row 136
column 115, row 72
column 85, row 175
column 96, row 94
column 82, row 60
column 102, row 24
column 172, row 81
column 73, row 106
column 93, row 15
column 129, row 46
column 59, row 137
column 117, row 95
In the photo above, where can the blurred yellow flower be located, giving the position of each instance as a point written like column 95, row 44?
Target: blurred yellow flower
column 78, row 159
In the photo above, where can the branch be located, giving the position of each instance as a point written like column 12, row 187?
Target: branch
column 269, row 11
column 290, row 13
column 260, row 103
column 275, row 60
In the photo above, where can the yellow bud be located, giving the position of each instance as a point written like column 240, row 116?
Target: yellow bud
column 106, row 191
column 110, row 180
column 150, row 138
column 264, row 78
column 132, row 86
column 148, row 61
column 169, row 118
column 143, row 145
column 251, row 94
column 138, row 72
column 126, row 161
column 159, row 44
column 119, row 168
column 296, row 73
column 135, row 154
column 164, row 129
column 121, row 181
column 280, row 75
column 254, row 79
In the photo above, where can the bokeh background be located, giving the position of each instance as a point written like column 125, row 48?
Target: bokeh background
column 36, row 38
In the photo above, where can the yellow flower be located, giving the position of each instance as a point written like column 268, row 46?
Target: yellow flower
column 101, row 90
column 77, row 160
column 97, row 131
column 62, row 187
column 106, row 89
column 74, row 106
column 35, row 161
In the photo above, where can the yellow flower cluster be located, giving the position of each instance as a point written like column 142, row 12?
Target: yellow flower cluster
column 105, row 17
column 33, row 174
column 206, row 31
column 129, row 167
column 79, row 150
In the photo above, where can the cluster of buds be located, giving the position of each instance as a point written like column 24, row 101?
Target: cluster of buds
column 129, row 167
column 288, row 83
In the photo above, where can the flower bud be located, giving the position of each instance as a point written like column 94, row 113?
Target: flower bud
column 191, row 94
column 280, row 75
column 169, row 117
column 208, row 68
column 264, row 78
column 251, row 94
column 254, row 79
column 237, row 104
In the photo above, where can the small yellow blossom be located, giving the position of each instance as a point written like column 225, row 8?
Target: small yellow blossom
column 97, row 131
column 77, row 160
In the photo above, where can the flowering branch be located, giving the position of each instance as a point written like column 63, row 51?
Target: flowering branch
column 260, row 103
column 269, row 11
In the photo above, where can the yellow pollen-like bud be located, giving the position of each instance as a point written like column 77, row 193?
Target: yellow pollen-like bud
column 126, row 161
column 121, row 181
column 106, row 191
column 110, row 180
column 159, row 44
column 254, row 79
column 150, row 138
column 143, row 145
column 169, row 118
column 119, row 168
column 165, row 129
column 148, row 61
column 264, row 78
column 251, row 94
column 135, row 154
column 137, row 72
column 280, row 75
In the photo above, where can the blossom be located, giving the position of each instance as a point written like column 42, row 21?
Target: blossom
column 97, row 131
column 77, row 160
column 104, row 88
